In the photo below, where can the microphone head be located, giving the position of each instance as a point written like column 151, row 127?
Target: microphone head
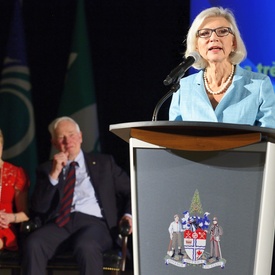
column 180, row 70
column 195, row 55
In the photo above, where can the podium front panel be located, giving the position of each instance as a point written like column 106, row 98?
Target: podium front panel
column 196, row 186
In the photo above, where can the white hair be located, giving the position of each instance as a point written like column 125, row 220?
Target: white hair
column 236, row 56
column 53, row 125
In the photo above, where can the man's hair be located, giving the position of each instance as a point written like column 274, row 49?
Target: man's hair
column 54, row 124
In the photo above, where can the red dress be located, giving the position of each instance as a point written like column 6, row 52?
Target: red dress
column 11, row 177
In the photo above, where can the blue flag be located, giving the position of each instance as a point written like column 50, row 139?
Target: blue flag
column 16, row 109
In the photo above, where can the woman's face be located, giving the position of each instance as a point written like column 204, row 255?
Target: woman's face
column 215, row 49
column 1, row 148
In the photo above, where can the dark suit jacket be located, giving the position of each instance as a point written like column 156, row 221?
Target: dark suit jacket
column 111, row 184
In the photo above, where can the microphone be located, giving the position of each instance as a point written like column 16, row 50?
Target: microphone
column 180, row 70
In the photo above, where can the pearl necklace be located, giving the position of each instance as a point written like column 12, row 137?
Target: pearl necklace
column 224, row 86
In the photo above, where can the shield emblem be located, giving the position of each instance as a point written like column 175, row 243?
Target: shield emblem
column 194, row 243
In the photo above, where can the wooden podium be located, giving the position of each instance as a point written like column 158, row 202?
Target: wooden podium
column 201, row 170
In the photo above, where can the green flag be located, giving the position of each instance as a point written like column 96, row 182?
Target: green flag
column 78, row 100
column 16, row 110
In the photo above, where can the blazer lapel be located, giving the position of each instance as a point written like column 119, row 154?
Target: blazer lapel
column 94, row 173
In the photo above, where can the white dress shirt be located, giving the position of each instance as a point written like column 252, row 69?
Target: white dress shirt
column 84, row 199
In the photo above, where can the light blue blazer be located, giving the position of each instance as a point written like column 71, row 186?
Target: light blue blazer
column 249, row 100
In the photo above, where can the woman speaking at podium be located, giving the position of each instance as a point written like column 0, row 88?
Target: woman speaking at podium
column 221, row 91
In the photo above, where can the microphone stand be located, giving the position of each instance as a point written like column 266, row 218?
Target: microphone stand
column 173, row 89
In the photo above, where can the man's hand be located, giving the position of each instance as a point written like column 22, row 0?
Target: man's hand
column 59, row 161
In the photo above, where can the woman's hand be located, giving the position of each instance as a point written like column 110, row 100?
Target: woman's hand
column 6, row 219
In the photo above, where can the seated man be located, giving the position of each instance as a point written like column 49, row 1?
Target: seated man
column 77, row 195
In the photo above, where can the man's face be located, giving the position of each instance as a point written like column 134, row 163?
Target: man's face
column 67, row 138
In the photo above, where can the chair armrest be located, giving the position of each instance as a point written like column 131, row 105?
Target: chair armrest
column 124, row 228
column 30, row 225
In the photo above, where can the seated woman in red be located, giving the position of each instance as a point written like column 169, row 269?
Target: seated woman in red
column 14, row 185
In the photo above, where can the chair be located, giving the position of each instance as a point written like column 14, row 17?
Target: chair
column 114, row 260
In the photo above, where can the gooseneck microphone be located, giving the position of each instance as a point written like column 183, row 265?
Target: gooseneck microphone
column 174, row 77
column 180, row 70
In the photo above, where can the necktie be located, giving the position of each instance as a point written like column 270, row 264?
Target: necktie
column 66, row 201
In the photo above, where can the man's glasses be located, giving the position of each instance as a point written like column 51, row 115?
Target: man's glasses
column 220, row 32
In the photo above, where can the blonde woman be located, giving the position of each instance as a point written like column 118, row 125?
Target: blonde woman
column 222, row 91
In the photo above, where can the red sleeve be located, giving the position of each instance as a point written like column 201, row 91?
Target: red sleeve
column 22, row 180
